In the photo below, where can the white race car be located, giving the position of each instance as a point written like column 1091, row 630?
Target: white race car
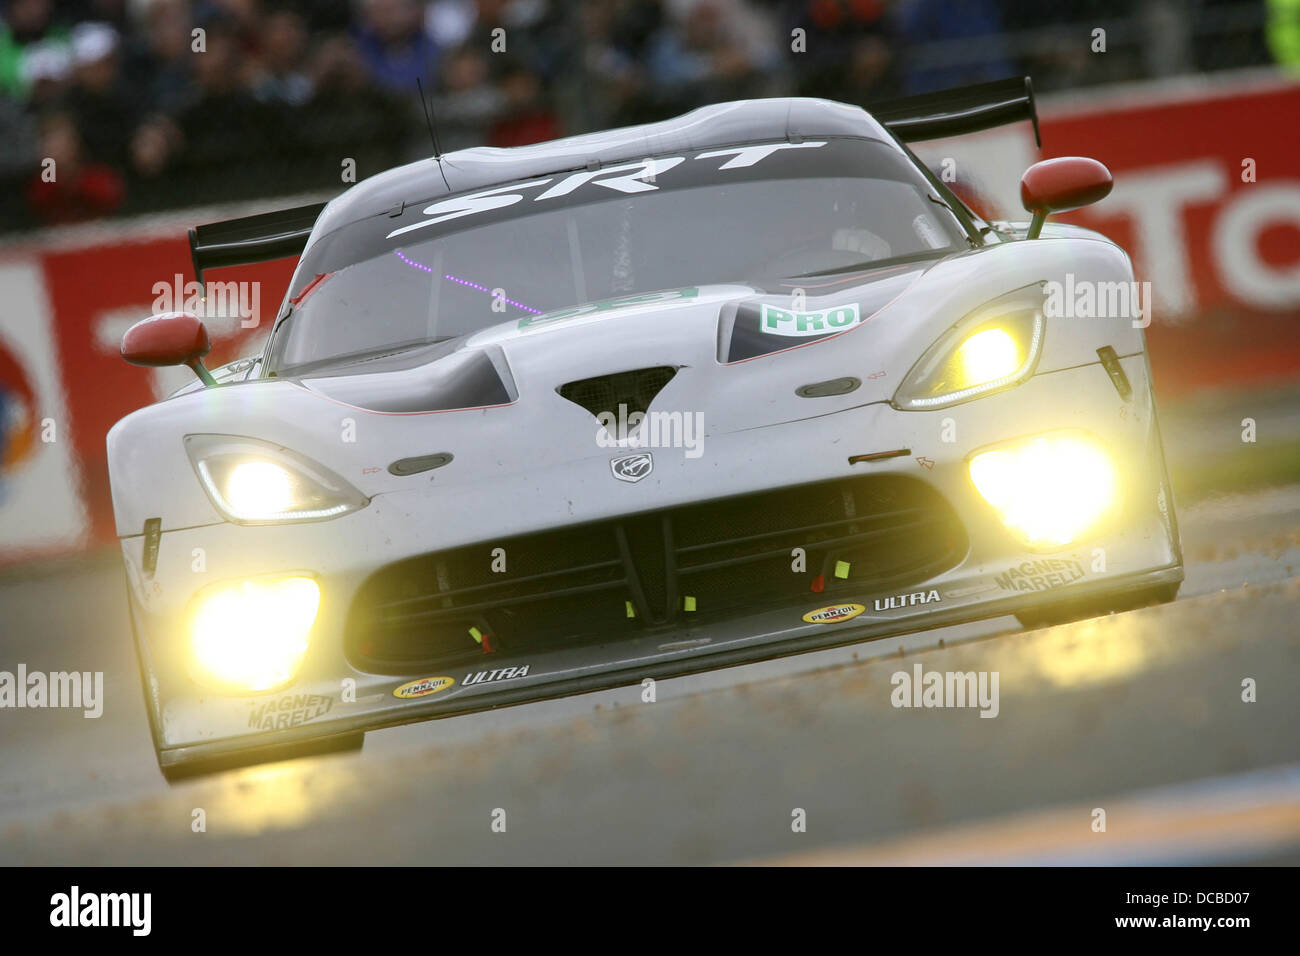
column 536, row 421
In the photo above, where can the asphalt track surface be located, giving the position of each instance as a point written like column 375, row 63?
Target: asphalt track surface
column 1139, row 714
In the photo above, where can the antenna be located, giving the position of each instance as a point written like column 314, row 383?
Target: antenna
column 433, row 133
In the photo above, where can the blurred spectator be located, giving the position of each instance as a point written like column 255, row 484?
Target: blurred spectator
column 394, row 45
column 1284, row 33
column 283, row 76
column 229, row 142
column 19, row 157
column 153, row 143
column 33, row 47
column 160, row 60
column 980, row 55
column 325, row 17
column 523, row 31
column 199, row 101
column 18, row 133
column 525, row 116
column 347, row 117
column 1228, row 34
column 847, row 50
column 46, row 69
column 603, row 83
column 114, row 13
column 469, row 104
column 97, row 101
column 68, row 188
column 636, row 23
column 713, row 50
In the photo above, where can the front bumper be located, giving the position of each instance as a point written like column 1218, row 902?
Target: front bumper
column 996, row 575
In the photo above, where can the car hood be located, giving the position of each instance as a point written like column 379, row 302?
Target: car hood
column 702, row 333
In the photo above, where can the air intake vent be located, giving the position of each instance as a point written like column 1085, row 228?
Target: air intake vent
column 604, row 393
column 593, row 583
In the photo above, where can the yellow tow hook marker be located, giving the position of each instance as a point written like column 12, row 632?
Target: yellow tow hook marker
column 475, row 633
column 688, row 603
column 631, row 611
column 842, row 569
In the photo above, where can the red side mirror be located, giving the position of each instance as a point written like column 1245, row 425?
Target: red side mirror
column 171, row 338
column 1059, row 185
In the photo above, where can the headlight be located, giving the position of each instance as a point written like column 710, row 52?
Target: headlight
column 256, row 482
column 252, row 635
column 1049, row 490
column 994, row 347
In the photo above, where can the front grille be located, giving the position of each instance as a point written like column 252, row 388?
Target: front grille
column 607, row 580
column 605, row 393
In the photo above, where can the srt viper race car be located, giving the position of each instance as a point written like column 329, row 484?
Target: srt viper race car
column 536, row 421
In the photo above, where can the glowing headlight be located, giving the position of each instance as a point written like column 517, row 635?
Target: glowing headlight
column 993, row 348
column 252, row 635
column 989, row 355
column 255, row 482
column 259, row 487
column 1049, row 490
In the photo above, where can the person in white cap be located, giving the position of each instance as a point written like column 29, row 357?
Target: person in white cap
column 104, row 111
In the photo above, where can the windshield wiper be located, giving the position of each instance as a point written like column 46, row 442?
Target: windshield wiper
column 940, row 201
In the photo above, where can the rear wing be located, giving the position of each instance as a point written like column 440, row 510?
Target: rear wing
column 241, row 242
column 963, row 109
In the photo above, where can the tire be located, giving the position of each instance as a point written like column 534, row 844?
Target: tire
column 1098, row 605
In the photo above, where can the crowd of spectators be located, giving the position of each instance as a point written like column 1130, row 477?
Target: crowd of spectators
column 116, row 106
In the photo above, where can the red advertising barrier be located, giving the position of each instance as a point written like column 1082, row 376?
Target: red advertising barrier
column 101, row 387
column 1207, row 199
column 63, row 382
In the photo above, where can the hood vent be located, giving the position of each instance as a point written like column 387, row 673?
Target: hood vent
column 605, row 393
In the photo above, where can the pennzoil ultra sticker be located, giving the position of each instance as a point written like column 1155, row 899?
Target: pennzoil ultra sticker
column 423, row 687
column 834, row 613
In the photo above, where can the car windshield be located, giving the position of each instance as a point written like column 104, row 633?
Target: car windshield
column 421, row 288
